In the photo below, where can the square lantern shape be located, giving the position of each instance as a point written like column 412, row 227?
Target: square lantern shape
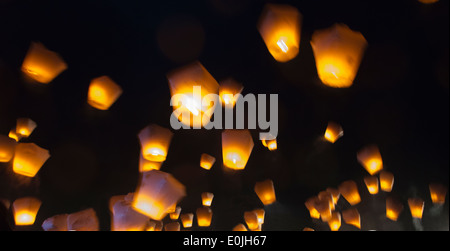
column 155, row 141
column 261, row 214
column 207, row 161
column 24, row 127
column 29, row 159
column 84, row 220
column 265, row 191
column 204, row 216
column 338, row 52
column 103, row 92
column 237, row 145
column 207, row 199
column 386, row 181
column 125, row 218
column 371, row 184
column 239, row 227
column 438, row 193
column 333, row 132
column 147, row 165
column 352, row 217
column 156, row 193
column 251, row 219
column 416, row 207
column 370, row 158
column 349, row 190
column 7, row 148
column 25, row 210
column 176, row 214
column 280, row 28
column 310, row 205
column 393, row 208
column 187, row 219
column 194, row 94
column 228, row 92
column 42, row 64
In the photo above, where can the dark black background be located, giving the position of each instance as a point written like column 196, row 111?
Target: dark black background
column 399, row 101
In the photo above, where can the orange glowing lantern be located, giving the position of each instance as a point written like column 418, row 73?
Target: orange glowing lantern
column 335, row 193
column 207, row 161
column 155, row 141
column 308, row 229
column 280, row 28
column 25, row 127
column 324, row 209
column 103, row 92
column 84, row 220
column 156, row 193
column 150, row 226
column 333, row 132
column 349, row 190
column 251, row 219
column 335, row 221
column 240, row 227
column 310, row 205
column 187, row 219
column 386, row 181
column 204, row 216
column 25, row 210
column 228, row 92
column 189, row 85
column 147, row 165
column 174, row 215
column 270, row 144
column 393, row 208
column 371, row 184
column 428, row 1
column 13, row 135
column 352, row 217
column 29, row 158
column 237, row 146
column 125, row 218
column 338, row 51
column 265, row 191
column 261, row 214
column 370, row 158
column 7, row 148
column 416, row 207
column 325, row 195
column 172, row 226
column 41, row 64
column 207, row 199
column 438, row 193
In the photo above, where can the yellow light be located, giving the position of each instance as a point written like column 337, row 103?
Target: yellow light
column 155, row 141
column 103, row 92
column 147, row 165
column 265, row 191
column 349, row 191
column 207, row 161
column 333, row 132
column 437, row 193
column 228, row 89
column 24, row 127
column 25, row 210
column 352, row 217
column 207, row 199
column 370, row 158
column 393, row 208
column 187, row 219
column 7, row 148
column 371, row 184
column 29, row 158
column 204, row 216
column 13, row 135
column 416, row 207
column 237, row 146
column 335, row 221
column 386, row 181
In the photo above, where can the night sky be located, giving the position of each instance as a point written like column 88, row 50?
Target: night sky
column 399, row 101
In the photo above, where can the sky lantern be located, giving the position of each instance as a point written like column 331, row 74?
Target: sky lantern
column 154, row 225
column 310, row 205
column 29, row 158
column 25, row 210
column 338, row 52
column 187, row 219
column 103, row 92
column 324, row 209
column 437, row 193
column 325, row 195
column 280, row 28
column 204, row 216
column 416, row 207
column 261, row 214
column 352, row 217
column 155, row 141
column 349, row 190
column 228, row 89
column 371, row 184
column 42, row 64
column 189, row 85
column 7, row 148
column 386, row 181
column 237, row 145
column 176, row 214
column 56, row 223
column 240, row 227
column 147, row 165
column 172, row 226
column 335, row 193
column 370, row 158
column 84, row 220
column 207, row 198
column 24, row 127
column 156, row 193
column 333, row 132
column 270, row 144
column 207, row 161
column 251, row 219
column 265, row 191
column 13, row 135
column 393, row 208
column 335, row 221
column 125, row 218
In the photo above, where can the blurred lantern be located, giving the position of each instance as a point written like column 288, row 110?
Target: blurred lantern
column 393, row 208
column 25, row 127
column 187, row 219
column 147, row 165
column 324, row 209
column 150, row 226
column 189, row 86
column 25, row 210
column 156, row 193
column 335, row 193
column 172, row 209
column 207, row 161
column 371, row 184
column 29, row 158
column 125, row 218
column 258, row 228
column 204, row 216
column 352, row 217
column 13, row 135
column 260, row 213
column 338, row 51
column 155, row 142
column 7, row 148
column 207, row 198
column 349, row 190
column 325, row 195
column 280, row 28
column 237, row 146
column 265, row 192
column 416, row 207
column 333, row 132
column 438, row 193
column 176, row 214
column 251, row 219
column 85, row 220
column 42, row 64
column 56, row 223
column 240, row 227
column 228, row 89
column 103, row 92
column 172, row 226
column 386, row 181
column 308, row 229
column 335, row 221
column 310, row 205
column 270, row 144
column 370, row 158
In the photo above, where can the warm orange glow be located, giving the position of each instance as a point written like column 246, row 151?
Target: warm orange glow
column 228, row 90
column 187, row 219
column 335, row 221
column 371, row 184
column 7, row 148
column 370, row 158
column 103, row 92
column 352, row 217
column 29, row 158
column 25, row 210
column 237, row 146
column 438, row 193
column 155, row 141
column 124, row 218
column 25, row 127
column 265, row 192
column 207, row 199
column 279, row 26
column 251, row 219
column 386, row 181
column 393, row 208
column 333, row 132
column 13, row 135
column 310, row 205
column 174, row 215
column 349, row 190
column 240, row 227
column 42, row 64
column 147, row 165
column 207, row 161
column 338, row 51
column 272, row 144
column 172, row 226
column 204, row 216
column 260, row 213
column 416, row 207
column 335, row 193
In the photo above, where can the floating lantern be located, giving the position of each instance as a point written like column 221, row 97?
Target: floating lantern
column 338, row 51
column 386, row 181
column 240, row 227
column 156, row 193
column 416, row 207
column 352, row 217
column 279, row 26
column 393, row 208
column 258, row 228
column 56, row 223
column 335, row 221
column 174, row 215
column 325, row 195
column 438, row 193
column 265, row 192
column 125, row 218
column 25, row 127
column 251, row 219
column 370, row 158
column 349, row 190
column 172, row 226
column 13, row 135
column 187, row 219
column 260, row 213
column 85, row 220
column 103, row 92
column 335, row 193
column 270, row 144
column 333, row 132
column 7, row 148
column 25, row 210
column 189, row 85
column 41, row 64
column 29, row 158
column 310, row 205
column 237, row 146
column 147, row 165
column 228, row 89
column 204, row 216
column 371, row 184
column 155, row 141
column 207, row 161
column 207, row 198
column 324, row 209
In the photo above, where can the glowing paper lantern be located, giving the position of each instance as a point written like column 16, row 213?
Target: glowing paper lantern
column 147, row 165
column 25, row 127
column 270, row 144
column 416, row 207
column 176, row 214
column 393, row 208
column 125, row 218
column 335, row 193
column 207, row 198
column 7, row 148
column 240, row 227
column 189, row 85
column 338, row 51
column 370, row 158
column 327, row 196
column 265, row 192
column 324, row 209
column 228, row 89
column 260, row 213
column 29, row 158
column 310, row 205
column 56, row 223
column 13, row 135
column 438, row 193
column 150, row 226
column 25, row 210
column 187, row 219
column 428, row 1
column 333, row 132
column 335, row 221
column 237, row 146
column 207, row 161
column 172, row 226
column 352, row 217
column 371, row 184
column 85, row 220
column 251, row 219
column 279, row 26
column 155, row 141
column 156, row 193
column 349, row 190
column 204, row 216
column 42, row 64
column 103, row 92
